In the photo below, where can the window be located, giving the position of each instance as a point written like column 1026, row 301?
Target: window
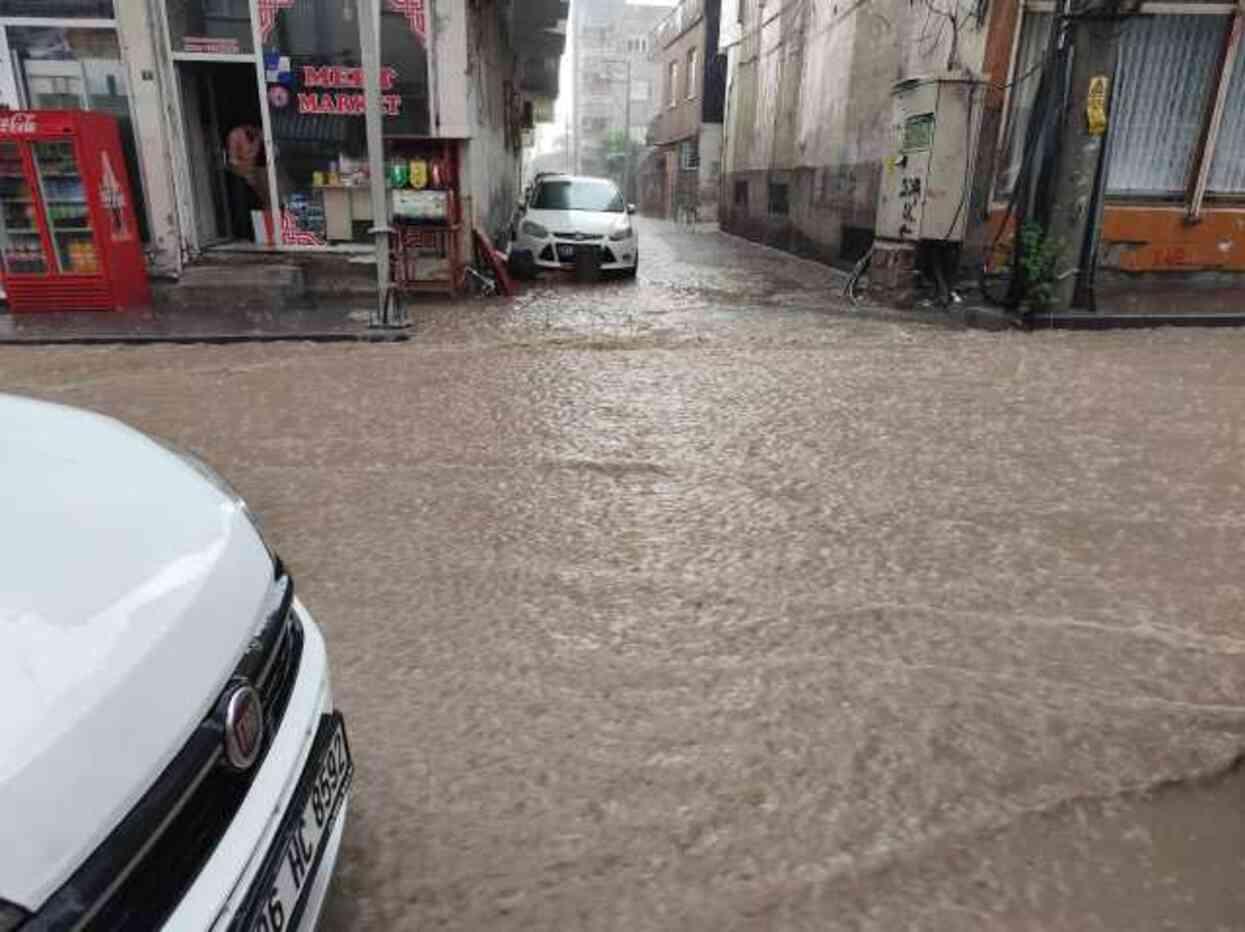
column 210, row 26
column 319, row 123
column 693, row 62
column 641, row 90
column 672, row 84
column 1166, row 76
column 689, row 155
column 778, row 198
column 1163, row 83
column 92, row 9
column 1227, row 171
column 597, row 196
column 741, row 194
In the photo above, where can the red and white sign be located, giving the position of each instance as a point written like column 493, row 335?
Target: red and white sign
column 342, row 76
column 334, row 77
column 19, row 124
column 268, row 10
column 112, row 196
column 416, row 13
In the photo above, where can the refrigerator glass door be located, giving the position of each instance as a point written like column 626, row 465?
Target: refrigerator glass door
column 21, row 245
column 66, row 208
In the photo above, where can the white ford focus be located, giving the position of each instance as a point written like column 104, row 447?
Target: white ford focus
column 567, row 216
column 170, row 757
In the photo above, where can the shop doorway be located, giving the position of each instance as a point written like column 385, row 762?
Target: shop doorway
column 228, row 178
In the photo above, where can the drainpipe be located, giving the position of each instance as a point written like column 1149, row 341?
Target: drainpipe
column 383, row 315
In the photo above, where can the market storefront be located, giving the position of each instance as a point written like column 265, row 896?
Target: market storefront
column 243, row 121
column 272, row 113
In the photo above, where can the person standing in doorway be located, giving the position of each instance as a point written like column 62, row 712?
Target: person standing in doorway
column 245, row 178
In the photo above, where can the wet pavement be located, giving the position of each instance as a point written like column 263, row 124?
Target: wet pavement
column 702, row 602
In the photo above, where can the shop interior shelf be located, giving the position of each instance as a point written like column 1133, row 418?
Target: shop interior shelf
column 76, row 231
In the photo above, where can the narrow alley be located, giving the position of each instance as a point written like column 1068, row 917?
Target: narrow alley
column 705, row 602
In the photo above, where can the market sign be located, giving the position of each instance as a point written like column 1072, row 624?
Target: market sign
column 323, row 84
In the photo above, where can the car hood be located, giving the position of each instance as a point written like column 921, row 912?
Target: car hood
column 592, row 222
column 129, row 589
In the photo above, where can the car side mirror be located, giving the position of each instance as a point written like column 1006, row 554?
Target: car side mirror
column 631, row 208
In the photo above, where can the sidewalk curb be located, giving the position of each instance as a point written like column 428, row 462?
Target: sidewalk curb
column 218, row 339
column 833, row 270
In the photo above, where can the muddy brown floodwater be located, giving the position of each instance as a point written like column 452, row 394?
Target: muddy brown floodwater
column 703, row 603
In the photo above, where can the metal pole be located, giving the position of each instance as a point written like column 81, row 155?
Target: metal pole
column 1080, row 154
column 369, row 41
column 627, row 138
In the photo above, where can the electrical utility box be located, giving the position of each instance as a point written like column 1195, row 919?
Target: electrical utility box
column 927, row 177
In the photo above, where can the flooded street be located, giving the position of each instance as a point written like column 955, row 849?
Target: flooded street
column 703, row 602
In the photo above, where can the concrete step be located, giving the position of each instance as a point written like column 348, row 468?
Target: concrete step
column 249, row 280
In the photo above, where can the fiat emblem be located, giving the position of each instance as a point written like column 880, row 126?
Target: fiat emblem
column 244, row 726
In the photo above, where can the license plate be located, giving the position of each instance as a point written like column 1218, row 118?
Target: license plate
column 277, row 898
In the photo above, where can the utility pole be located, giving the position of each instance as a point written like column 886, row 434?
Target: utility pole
column 1093, row 35
column 627, row 138
column 578, row 86
column 369, row 41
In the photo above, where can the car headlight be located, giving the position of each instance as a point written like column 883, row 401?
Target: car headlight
column 622, row 231
column 534, row 229
column 11, row 917
column 222, row 485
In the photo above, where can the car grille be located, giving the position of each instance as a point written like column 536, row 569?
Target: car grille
column 578, row 237
column 136, row 878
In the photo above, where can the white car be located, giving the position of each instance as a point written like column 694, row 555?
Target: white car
column 567, row 215
column 170, row 756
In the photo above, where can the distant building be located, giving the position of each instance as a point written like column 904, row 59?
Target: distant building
column 612, row 63
column 686, row 128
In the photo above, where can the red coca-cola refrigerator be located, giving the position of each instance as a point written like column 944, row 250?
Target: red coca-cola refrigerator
column 69, row 237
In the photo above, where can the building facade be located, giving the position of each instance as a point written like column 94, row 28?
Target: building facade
column 194, row 82
column 809, row 113
column 1175, row 142
column 809, row 129
column 686, row 131
column 616, row 86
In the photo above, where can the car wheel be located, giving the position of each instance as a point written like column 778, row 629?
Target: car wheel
column 631, row 272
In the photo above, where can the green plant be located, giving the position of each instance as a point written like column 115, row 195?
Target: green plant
column 1039, row 254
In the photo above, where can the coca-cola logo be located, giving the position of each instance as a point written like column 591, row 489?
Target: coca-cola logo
column 17, row 123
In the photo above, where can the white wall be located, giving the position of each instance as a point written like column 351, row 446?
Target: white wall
column 151, row 96
column 450, row 17
column 492, row 170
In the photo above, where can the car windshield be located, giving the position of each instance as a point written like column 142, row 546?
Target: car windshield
column 578, row 195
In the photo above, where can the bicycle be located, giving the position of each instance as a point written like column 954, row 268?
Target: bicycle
column 475, row 283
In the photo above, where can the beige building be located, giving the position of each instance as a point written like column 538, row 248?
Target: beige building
column 686, row 130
